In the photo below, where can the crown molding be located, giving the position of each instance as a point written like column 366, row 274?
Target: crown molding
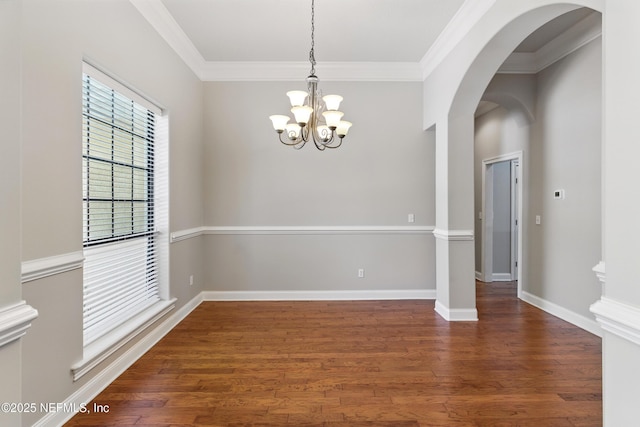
column 580, row 34
column 465, row 18
column 327, row 71
column 163, row 22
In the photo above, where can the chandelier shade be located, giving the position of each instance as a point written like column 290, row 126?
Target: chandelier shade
column 315, row 117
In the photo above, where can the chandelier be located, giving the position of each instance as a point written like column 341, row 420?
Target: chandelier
column 316, row 116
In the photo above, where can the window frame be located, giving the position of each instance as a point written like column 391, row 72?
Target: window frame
column 155, row 231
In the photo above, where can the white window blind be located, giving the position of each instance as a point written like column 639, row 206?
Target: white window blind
column 119, row 232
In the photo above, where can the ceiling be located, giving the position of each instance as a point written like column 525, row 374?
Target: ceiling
column 355, row 40
column 280, row 30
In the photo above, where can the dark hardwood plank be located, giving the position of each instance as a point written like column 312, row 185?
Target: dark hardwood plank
column 362, row 364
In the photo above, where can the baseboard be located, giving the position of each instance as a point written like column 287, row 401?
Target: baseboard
column 501, row 277
column 98, row 383
column 563, row 313
column 479, row 276
column 456, row 314
column 319, row 295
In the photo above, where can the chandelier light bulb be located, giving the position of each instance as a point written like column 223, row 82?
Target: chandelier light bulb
column 343, row 128
column 279, row 122
column 332, row 102
column 302, row 114
column 332, row 118
column 297, row 97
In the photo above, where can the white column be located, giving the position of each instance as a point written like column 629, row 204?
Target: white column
column 618, row 311
column 455, row 263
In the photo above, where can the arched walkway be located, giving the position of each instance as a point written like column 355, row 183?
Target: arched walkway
column 452, row 93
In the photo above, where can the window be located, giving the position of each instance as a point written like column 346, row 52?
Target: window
column 120, row 205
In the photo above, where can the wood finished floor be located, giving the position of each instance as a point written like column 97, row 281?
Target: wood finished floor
column 365, row 363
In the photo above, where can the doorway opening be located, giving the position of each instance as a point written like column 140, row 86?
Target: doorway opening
column 501, row 215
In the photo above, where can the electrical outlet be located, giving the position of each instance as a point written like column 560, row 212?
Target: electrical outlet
column 411, row 218
column 361, row 273
column 191, row 280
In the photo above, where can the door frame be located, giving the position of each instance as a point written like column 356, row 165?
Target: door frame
column 486, row 256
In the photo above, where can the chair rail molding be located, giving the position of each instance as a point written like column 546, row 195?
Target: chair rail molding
column 601, row 274
column 618, row 318
column 177, row 236
column 49, row 266
column 453, row 235
column 14, row 321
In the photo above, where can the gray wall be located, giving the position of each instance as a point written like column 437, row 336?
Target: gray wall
column 56, row 36
column 382, row 172
column 566, row 154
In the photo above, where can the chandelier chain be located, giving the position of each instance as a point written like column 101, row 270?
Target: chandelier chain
column 312, row 57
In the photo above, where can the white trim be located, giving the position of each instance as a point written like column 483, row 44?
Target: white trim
column 453, row 235
column 113, row 82
column 165, row 24
column 465, row 18
column 456, row 314
column 355, row 295
column 618, row 318
column 601, row 272
column 581, row 34
column 15, row 319
column 296, row 71
column 177, row 236
column 576, row 319
column 99, row 350
column 298, row 230
column 98, row 383
column 331, row 229
column 501, row 277
column 479, row 276
column 49, row 266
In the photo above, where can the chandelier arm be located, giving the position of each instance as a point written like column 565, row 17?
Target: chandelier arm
column 320, row 147
column 290, row 142
column 335, row 146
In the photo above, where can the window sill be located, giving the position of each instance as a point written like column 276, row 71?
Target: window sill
column 99, row 350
